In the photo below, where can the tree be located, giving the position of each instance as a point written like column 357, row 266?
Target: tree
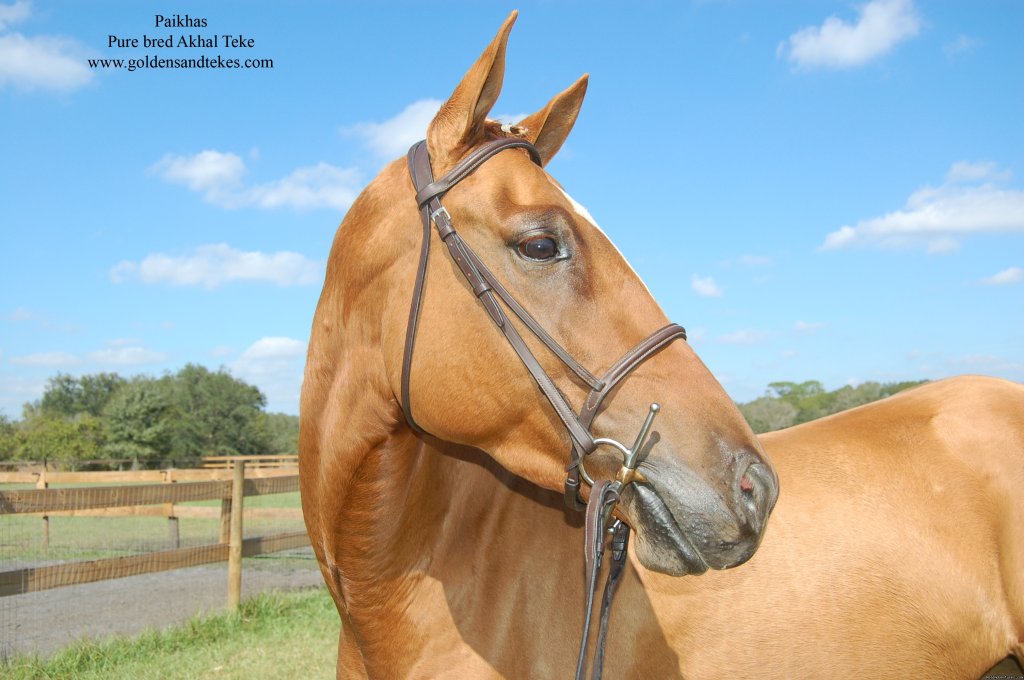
column 65, row 440
column 792, row 391
column 214, row 413
column 174, row 419
column 767, row 413
column 98, row 390
column 790, row 403
column 9, row 444
column 66, row 396
column 61, row 397
column 283, row 433
column 137, row 420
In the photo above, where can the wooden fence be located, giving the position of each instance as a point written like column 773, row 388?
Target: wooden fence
column 231, row 486
column 226, row 462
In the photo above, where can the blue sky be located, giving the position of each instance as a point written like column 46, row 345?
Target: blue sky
column 816, row 190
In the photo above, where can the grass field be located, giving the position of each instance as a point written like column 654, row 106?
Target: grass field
column 274, row 635
column 85, row 538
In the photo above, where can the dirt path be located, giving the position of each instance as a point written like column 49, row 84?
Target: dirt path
column 42, row 623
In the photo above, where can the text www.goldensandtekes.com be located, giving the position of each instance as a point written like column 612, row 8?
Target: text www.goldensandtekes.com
column 201, row 62
column 192, row 37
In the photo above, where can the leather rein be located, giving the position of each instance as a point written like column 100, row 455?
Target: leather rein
column 604, row 494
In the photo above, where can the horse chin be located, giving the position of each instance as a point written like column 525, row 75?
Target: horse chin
column 660, row 544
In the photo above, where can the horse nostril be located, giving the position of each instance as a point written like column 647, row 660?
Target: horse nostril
column 758, row 492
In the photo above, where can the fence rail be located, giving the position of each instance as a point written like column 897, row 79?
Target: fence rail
column 41, row 478
column 229, row 485
column 86, row 498
column 34, row 579
column 276, row 461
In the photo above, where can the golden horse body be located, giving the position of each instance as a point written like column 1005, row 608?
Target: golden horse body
column 896, row 548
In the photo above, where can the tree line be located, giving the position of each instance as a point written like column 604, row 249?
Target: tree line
column 180, row 417
column 174, row 419
column 788, row 403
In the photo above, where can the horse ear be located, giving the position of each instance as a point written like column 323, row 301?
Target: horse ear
column 549, row 127
column 459, row 123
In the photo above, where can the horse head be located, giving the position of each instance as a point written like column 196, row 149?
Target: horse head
column 704, row 489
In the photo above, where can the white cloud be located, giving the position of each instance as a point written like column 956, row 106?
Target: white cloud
column 42, row 62
column 22, row 314
column 508, row 117
column 970, row 201
column 317, row 186
column 46, row 359
column 274, row 364
column 747, row 336
column 1009, row 275
column 394, row 136
column 753, row 260
column 214, row 264
column 218, row 176
column 988, row 363
column 272, row 349
column 880, row 26
column 209, row 171
column 968, row 171
column 959, row 45
column 12, row 14
column 705, row 286
column 120, row 355
column 15, row 390
column 808, row 326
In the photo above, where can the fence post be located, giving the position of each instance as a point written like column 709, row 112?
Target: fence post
column 172, row 520
column 235, row 543
column 41, row 483
column 225, row 520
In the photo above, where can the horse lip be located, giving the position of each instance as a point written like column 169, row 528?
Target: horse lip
column 658, row 516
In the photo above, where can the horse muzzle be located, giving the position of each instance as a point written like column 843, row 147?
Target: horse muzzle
column 685, row 526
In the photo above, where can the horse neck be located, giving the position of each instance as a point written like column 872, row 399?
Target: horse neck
column 393, row 508
column 417, row 519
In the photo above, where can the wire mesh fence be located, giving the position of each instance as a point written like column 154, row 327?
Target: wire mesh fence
column 92, row 558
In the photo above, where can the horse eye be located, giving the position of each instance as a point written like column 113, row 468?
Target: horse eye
column 539, row 248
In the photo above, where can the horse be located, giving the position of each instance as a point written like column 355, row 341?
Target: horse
column 445, row 544
column 896, row 549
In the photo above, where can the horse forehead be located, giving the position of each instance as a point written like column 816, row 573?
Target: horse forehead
column 585, row 214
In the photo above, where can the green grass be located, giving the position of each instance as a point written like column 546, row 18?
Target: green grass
column 274, row 635
column 86, row 538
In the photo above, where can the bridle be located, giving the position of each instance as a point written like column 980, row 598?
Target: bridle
column 604, row 494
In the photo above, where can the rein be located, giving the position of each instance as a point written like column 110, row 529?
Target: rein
column 604, row 494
